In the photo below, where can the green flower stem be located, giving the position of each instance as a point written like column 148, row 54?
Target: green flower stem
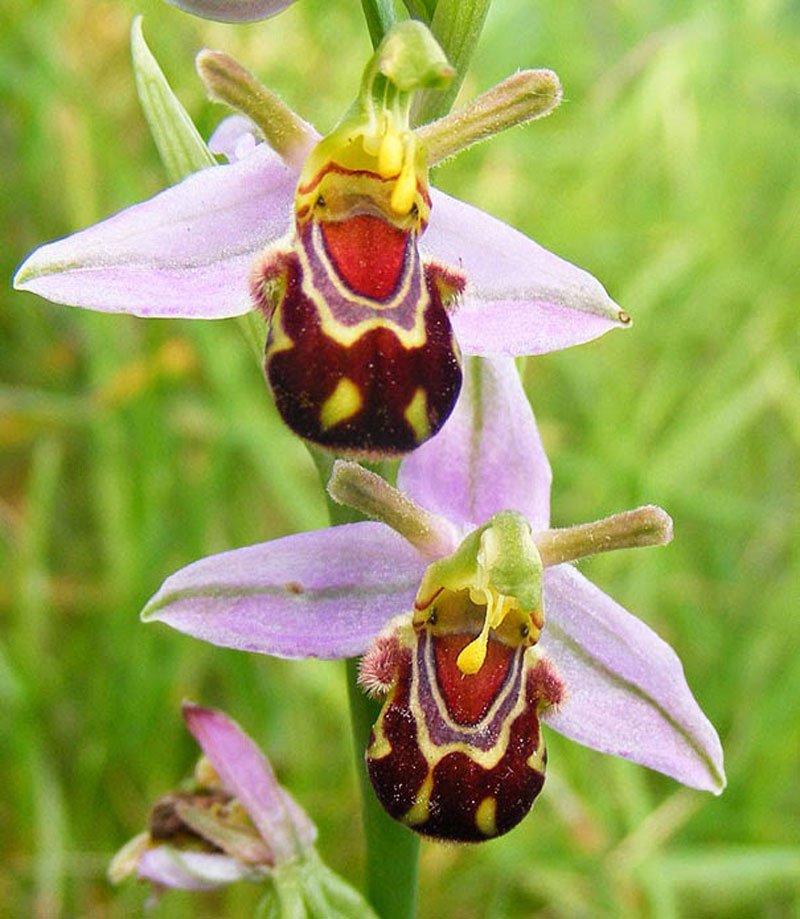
column 456, row 25
column 380, row 18
column 392, row 851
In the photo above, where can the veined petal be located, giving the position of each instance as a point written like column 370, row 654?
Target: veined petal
column 520, row 298
column 626, row 691
column 170, row 867
column 233, row 10
column 247, row 774
column 321, row 594
column 186, row 252
column 488, row 457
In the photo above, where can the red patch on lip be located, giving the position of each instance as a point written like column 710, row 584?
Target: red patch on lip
column 469, row 697
column 367, row 252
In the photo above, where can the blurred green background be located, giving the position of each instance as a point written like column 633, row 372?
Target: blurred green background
column 131, row 447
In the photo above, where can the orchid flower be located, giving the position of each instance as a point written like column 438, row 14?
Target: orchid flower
column 367, row 317
column 495, row 625
column 232, row 10
column 235, row 822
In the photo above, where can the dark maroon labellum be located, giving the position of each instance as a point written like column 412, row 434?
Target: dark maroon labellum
column 360, row 354
column 461, row 757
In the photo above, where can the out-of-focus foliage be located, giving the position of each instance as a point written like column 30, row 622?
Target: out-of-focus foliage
column 130, row 447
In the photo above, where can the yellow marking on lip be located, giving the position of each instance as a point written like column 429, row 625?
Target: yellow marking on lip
column 346, row 335
column 419, row 812
column 416, row 414
column 344, row 402
column 486, row 759
column 536, row 761
column 380, row 746
column 278, row 340
column 486, row 817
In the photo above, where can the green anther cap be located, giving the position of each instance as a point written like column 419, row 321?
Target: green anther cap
column 412, row 59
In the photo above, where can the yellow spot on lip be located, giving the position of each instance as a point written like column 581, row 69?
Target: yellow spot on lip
column 278, row 340
column 486, row 817
column 419, row 813
column 341, row 404
column 416, row 414
column 536, row 761
column 380, row 746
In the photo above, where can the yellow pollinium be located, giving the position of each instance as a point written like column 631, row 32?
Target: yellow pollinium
column 504, row 617
column 497, row 607
column 375, row 138
column 390, row 151
column 373, row 166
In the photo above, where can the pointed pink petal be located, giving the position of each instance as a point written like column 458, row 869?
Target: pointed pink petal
column 247, row 774
column 520, row 298
column 321, row 594
column 626, row 691
column 488, row 457
column 187, row 252
column 170, row 867
column 232, row 10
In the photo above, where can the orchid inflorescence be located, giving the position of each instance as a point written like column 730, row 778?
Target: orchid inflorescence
column 392, row 313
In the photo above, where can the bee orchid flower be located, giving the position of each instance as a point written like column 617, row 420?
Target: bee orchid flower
column 372, row 284
column 234, row 822
column 497, row 630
